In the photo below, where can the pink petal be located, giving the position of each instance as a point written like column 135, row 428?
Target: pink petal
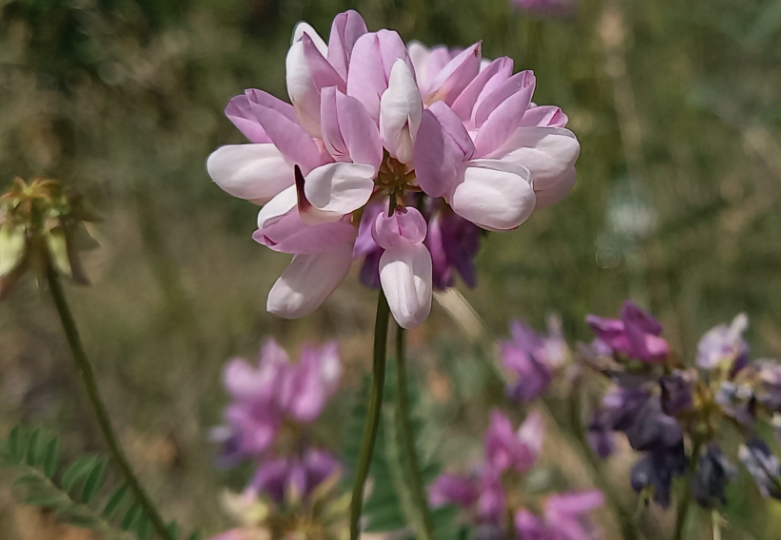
column 521, row 83
column 549, row 153
column 308, row 281
column 355, row 135
column 494, row 195
column 440, row 147
column 531, row 434
column 573, row 504
column 340, row 188
column 288, row 137
column 493, row 75
column 292, row 235
column 405, row 275
column 507, row 115
column 544, row 116
column 301, row 88
column 455, row 76
column 345, row 31
column 259, row 97
column 240, row 114
column 256, row 172
column 323, row 73
column 403, row 226
column 370, row 65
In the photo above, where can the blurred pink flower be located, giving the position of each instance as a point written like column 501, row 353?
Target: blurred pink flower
column 546, row 7
column 563, row 517
column 507, row 449
column 372, row 118
column 263, row 397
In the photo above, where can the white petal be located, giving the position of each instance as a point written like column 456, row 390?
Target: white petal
column 256, row 172
column 340, row 188
column 278, row 206
column 493, row 194
column 305, row 28
column 405, row 275
column 557, row 192
column 308, row 281
column 401, row 108
column 548, row 153
column 301, row 89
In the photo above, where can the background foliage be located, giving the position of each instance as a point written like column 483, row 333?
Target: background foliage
column 677, row 205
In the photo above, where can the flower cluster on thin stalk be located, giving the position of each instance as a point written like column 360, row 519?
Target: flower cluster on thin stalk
column 677, row 416
column 494, row 497
column 395, row 153
column 268, row 421
column 42, row 227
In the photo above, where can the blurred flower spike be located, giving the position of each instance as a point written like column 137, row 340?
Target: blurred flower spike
column 42, row 226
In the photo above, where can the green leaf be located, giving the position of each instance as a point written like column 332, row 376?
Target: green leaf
column 51, row 461
column 77, row 471
column 131, row 518
column 14, row 444
column 173, row 528
column 144, row 528
column 46, row 500
column 94, row 481
column 196, row 535
column 114, row 501
column 33, row 453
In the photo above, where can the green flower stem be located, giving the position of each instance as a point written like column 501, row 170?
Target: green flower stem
column 84, row 369
column 426, row 527
column 686, row 499
column 372, row 415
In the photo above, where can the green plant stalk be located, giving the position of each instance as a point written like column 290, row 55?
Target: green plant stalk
column 624, row 518
column 685, row 502
column 84, row 369
column 372, row 415
column 425, row 525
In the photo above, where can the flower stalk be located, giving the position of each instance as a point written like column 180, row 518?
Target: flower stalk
column 84, row 370
column 425, row 524
column 373, row 415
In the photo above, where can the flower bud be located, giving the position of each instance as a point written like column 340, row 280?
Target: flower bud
column 41, row 226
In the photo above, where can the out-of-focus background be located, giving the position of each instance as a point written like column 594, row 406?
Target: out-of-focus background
column 677, row 205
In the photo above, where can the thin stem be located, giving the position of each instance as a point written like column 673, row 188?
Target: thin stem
column 685, row 502
column 408, row 441
column 624, row 518
column 372, row 415
column 716, row 521
column 84, row 369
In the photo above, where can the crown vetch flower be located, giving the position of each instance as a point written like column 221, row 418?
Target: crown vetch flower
column 275, row 391
column 635, row 335
column 295, row 478
column 373, row 119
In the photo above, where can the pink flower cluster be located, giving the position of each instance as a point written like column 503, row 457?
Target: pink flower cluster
column 488, row 496
column 374, row 119
column 274, row 393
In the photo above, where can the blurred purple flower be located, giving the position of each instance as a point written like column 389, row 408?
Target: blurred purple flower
column 638, row 414
column 635, row 335
column 264, row 397
column 480, row 494
column 285, row 477
column 657, row 469
column 769, row 390
column 563, row 517
column 533, row 358
column 737, row 401
column 601, row 435
column 506, row 449
column 714, row 472
column 763, row 465
column 724, row 346
column 678, row 391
